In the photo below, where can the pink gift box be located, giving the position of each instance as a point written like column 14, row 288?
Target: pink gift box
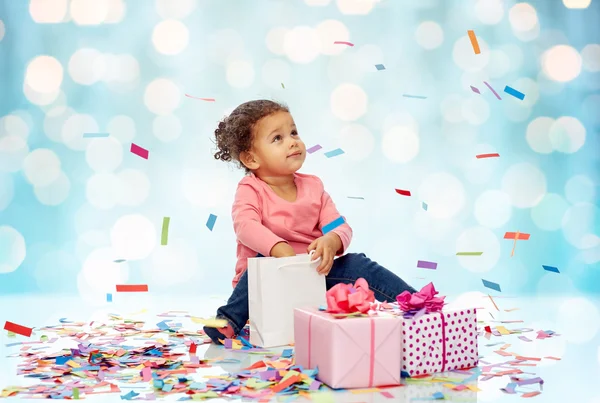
column 357, row 352
column 429, row 338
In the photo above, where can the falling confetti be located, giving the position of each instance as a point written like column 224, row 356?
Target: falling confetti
column 343, row 43
column 139, row 151
column 514, row 93
column 380, row 67
column 201, row 99
column 474, row 42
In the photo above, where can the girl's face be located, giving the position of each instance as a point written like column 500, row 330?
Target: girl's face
column 276, row 147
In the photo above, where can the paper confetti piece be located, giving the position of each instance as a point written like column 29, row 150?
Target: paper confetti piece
column 553, row 358
column 343, row 43
column 164, row 236
column 491, row 285
column 491, row 89
column 201, row 99
column 469, row 253
column 210, row 322
column 18, row 329
column 314, row 149
column 423, row 264
column 517, row 235
column 334, row 153
column 108, row 297
column 475, row 89
column 356, row 197
column 380, row 67
column 438, row 395
column 514, row 93
column 480, row 156
column 403, row 192
column 493, row 302
column 531, row 394
column 332, row 225
column 75, row 393
column 132, row 288
column 139, row 151
column 282, row 86
column 502, row 330
column 414, row 96
column 147, row 374
column 361, row 391
column 474, row 42
column 424, row 205
column 119, row 260
column 94, row 135
column 387, row 394
column 212, row 219
column 550, row 268
column 193, row 348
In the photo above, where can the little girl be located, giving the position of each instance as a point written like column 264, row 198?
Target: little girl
column 279, row 212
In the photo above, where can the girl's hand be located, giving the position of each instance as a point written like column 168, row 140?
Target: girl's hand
column 325, row 247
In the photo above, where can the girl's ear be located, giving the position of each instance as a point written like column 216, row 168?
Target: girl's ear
column 249, row 160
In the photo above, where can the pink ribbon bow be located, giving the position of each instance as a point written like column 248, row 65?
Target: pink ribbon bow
column 424, row 299
column 345, row 298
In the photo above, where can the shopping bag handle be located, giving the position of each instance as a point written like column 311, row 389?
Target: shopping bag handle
column 312, row 252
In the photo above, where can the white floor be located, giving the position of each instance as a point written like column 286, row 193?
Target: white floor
column 574, row 378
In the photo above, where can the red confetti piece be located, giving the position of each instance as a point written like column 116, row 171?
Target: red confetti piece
column 18, row 329
column 201, row 99
column 487, row 155
column 139, row 151
column 132, row 288
column 193, row 348
column 343, row 43
column 403, row 192
column 517, row 235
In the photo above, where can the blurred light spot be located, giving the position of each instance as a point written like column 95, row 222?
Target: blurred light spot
column 464, row 56
column 240, row 73
column 275, row 72
column 475, row 110
column 528, row 87
column 175, row 8
column 48, row 11
column 398, row 118
column 7, row 190
column 548, row 214
column 2, row 30
column 330, row 31
column 162, row 96
column 122, row 128
column 525, row 184
column 173, row 264
column 493, row 209
column 317, row 3
column 12, row 249
column 100, row 273
column 135, row 187
column 356, row 141
column 89, row 12
column 133, row 237
column 579, row 222
column 47, row 266
column 193, row 183
column 44, row 74
column 561, row 63
column 54, row 120
column 528, row 36
column 86, row 66
column 54, row 193
column 348, row 102
column 354, row 65
column 104, row 154
column 444, row 193
column 499, row 64
column 302, row 44
column 538, row 135
column 14, row 125
column 478, row 239
column 170, row 37
column 577, row 3
column 489, row 12
column 116, row 11
column 103, row 191
column 522, row 17
column 451, row 107
column 167, row 128
column 39, row 98
column 41, row 167
column 516, row 111
column 73, row 129
column 355, row 7
column 567, row 134
column 591, row 57
column 580, row 189
column 275, row 40
column 579, row 317
column 429, row 35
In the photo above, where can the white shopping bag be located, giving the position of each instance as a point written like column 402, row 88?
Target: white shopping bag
column 275, row 287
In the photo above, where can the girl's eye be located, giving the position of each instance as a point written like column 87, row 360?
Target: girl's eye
column 278, row 137
column 294, row 133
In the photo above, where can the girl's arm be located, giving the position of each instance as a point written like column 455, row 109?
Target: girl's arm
column 329, row 213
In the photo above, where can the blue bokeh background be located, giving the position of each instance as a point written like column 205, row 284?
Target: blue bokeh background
column 70, row 206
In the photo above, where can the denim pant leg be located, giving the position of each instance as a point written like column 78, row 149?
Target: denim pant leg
column 352, row 266
column 236, row 310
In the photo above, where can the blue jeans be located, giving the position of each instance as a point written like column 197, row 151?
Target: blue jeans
column 346, row 269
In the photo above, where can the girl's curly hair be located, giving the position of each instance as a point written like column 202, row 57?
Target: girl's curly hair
column 233, row 136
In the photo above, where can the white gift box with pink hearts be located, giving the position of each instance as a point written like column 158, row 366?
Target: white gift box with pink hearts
column 439, row 341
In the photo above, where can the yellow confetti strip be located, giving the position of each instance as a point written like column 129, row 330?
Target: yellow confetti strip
column 360, row 391
column 210, row 322
column 502, row 330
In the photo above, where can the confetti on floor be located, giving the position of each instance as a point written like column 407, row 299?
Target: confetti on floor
column 514, row 93
column 343, row 43
column 314, row 148
column 380, row 67
column 403, row 192
column 201, row 99
column 491, row 285
column 210, row 223
column 132, row 287
column 94, row 135
column 551, row 268
column 491, row 89
column 423, row 264
column 474, row 42
column 139, row 151
column 480, row 156
column 164, row 235
column 334, row 153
